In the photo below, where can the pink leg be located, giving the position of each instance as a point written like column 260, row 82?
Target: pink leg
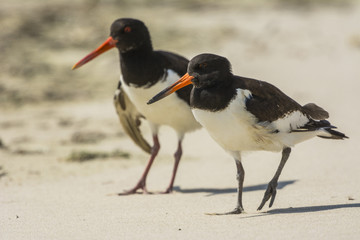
column 142, row 182
column 177, row 157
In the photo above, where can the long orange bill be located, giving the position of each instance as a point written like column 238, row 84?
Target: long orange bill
column 182, row 82
column 107, row 45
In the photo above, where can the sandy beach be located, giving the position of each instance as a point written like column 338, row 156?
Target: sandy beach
column 64, row 156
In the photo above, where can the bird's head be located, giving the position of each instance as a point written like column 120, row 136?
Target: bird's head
column 129, row 34
column 208, row 70
column 126, row 34
column 204, row 71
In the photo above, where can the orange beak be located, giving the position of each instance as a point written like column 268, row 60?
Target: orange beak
column 182, row 82
column 107, row 45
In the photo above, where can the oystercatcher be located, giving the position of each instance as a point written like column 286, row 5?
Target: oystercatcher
column 244, row 114
column 144, row 72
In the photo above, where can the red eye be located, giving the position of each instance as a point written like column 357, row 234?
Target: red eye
column 202, row 65
column 127, row 29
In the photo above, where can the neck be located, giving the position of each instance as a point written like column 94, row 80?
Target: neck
column 138, row 68
column 215, row 98
column 136, row 52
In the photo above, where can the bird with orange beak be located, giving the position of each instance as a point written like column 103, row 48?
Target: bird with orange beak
column 144, row 72
column 244, row 114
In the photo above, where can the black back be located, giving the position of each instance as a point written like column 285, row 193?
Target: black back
column 267, row 103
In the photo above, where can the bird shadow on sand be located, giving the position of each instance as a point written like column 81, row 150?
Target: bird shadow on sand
column 215, row 191
column 309, row 209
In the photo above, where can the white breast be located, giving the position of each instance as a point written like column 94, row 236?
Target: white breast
column 171, row 111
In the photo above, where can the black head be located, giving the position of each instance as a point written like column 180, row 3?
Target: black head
column 209, row 70
column 127, row 35
column 130, row 34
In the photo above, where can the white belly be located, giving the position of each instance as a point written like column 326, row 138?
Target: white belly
column 171, row 111
column 235, row 129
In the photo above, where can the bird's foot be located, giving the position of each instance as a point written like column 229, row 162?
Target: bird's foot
column 168, row 190
column 270, row 192
column 140, row 186
column 237, row 210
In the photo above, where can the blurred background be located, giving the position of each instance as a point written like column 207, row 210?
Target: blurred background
column 40, row 41
column 308, row 48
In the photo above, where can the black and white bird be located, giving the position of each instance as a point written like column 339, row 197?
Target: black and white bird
column 244, row 114
column 144, row 72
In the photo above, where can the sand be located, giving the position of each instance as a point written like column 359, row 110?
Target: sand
column 312, row 54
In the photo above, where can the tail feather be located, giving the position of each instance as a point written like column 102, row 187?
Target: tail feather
column 313, row 125
column 315, row 112
column 323, row 128
column 333, row 134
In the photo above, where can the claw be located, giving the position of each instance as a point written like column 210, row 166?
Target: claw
column 270, row 192
column 167, row 191
column 237, row 210
column 141, row 185
column 272, row 198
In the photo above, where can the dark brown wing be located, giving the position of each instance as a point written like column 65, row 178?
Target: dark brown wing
column 130, row 118
column 267, row 102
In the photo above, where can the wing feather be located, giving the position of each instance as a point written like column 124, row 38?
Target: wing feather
column 130, row 118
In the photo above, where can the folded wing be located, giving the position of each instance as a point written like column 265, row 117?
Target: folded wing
column 130, row 118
